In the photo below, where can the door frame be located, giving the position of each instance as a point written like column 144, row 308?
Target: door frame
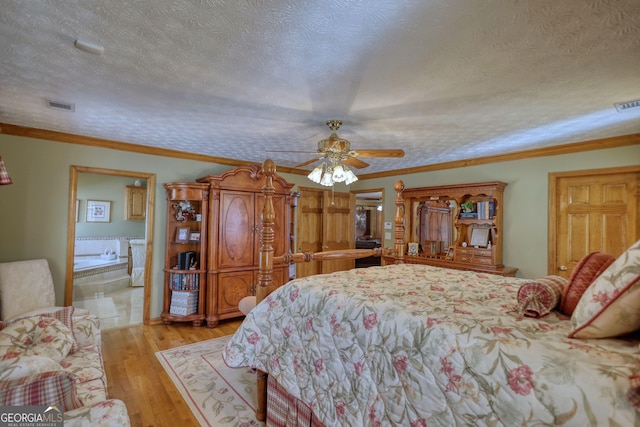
column 71, row 229
column 554, row 177
column 373, row 190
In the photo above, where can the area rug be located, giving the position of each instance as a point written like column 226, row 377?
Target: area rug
column 216, row 394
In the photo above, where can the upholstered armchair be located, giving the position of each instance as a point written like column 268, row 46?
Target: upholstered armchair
column 26, row 288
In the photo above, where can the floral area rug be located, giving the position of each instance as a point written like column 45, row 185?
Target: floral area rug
column 216, row 394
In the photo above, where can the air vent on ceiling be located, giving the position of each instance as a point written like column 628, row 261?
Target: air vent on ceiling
column 61, row 105
column 623, row 106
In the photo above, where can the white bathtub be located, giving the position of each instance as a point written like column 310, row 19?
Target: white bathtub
column 85, row 264
column 94, row 277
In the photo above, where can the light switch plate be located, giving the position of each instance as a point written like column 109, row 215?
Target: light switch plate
column 387, row 225
column 387, row 235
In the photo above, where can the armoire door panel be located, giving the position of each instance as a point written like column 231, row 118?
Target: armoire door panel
column 232, row 287
column 237, row 230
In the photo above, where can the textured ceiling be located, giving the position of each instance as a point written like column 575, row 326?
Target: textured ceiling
column 444, row 80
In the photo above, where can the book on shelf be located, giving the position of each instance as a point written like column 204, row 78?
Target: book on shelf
column 486, row 210
column 185, row 281
column 187, row 260
column 182, row 311
column 184, row 296
column 468, row 215
column 184, row 303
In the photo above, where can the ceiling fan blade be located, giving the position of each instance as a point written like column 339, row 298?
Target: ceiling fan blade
column 306, row 163
column 356, row 163
column 380, row 153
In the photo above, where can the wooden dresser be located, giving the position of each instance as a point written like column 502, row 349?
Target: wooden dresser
column 464, row 222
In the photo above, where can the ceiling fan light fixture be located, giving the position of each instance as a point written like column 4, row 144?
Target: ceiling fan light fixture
column 327, row 178
column 316, row 174
column 339, row 174
column 328, row 174
column 350, row 177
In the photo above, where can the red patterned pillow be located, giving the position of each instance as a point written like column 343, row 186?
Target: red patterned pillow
column 57, row 388
column 585, row 272
column 538, row 298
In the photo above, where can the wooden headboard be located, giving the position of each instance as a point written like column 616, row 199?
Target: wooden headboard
column 267, row 258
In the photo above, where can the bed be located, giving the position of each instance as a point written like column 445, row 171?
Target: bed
column 417, row 345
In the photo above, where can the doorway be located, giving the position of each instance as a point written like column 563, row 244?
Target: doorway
column 369, row 224
column 592, row 211
column 108, row 290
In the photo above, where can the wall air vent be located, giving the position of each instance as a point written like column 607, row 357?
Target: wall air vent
column 623, row 106
column 61, row 105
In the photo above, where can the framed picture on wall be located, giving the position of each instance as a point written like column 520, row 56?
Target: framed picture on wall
column 98, row 211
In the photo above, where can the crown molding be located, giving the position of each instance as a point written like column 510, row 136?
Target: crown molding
column 595, row 144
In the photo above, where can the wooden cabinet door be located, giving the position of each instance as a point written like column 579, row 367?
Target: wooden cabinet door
column 232, row 287
column 135, row 206
column 237, row 232
column 592, row 211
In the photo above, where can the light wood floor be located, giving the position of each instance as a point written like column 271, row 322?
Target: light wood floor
column 136, row 377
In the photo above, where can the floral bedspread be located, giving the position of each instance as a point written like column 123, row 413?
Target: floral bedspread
column 416, row 345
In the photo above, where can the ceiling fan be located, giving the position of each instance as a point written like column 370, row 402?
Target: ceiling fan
column 337, row 149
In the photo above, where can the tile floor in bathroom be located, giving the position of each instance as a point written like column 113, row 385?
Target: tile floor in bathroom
column 120, row 308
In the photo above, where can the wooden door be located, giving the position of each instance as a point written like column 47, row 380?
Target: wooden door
column 325, row 223
column 338, row 228
column 309, row 229
column 591, row 211
column 236, row 243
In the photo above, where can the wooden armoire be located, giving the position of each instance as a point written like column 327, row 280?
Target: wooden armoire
column 235, row 206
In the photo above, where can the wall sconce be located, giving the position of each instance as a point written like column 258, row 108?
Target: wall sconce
column 5, row 179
